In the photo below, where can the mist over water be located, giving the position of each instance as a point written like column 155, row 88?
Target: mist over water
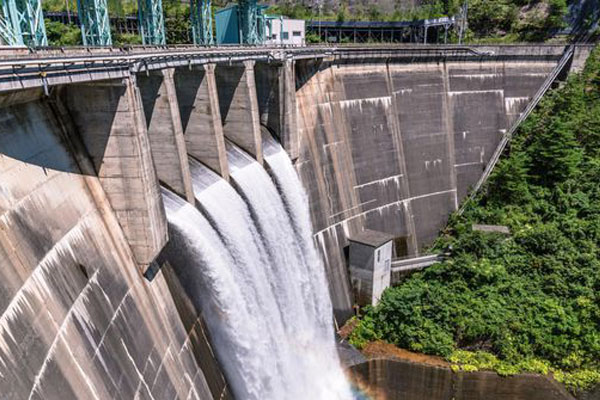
column 249, row 262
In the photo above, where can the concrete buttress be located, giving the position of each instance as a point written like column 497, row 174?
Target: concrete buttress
column 389, row 139
column 165, row 131
column 276, row 89
column 289, row 126
column 239, row 106
column 110, row 121
column 201, row 117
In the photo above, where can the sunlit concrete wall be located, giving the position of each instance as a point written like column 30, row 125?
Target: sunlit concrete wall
column 78, row 319
column 389, row 145
column 394, row 146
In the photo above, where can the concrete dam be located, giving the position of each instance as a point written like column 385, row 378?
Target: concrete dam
column 175, row 220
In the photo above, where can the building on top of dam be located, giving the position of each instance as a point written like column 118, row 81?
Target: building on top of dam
column 384, row 138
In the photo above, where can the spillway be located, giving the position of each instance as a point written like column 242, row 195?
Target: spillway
column 246, row 254
column 296, row 202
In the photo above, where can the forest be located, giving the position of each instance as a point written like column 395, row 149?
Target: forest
column 488, row 20
column 528, row 301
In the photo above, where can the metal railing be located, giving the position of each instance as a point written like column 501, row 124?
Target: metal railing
column 412, row 264
column 506, row 138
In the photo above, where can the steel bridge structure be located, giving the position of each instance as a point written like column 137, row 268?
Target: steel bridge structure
column 249, row 21
column 419, row 31
column 94, row 22
column 22, row 23
column 152, row 22
column 201, row 19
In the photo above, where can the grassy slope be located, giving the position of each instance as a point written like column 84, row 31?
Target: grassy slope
column 529, row 301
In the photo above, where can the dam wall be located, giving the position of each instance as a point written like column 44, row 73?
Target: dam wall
column 395, row 379
column 78, row 318
column 394, row 144
column 93, row 307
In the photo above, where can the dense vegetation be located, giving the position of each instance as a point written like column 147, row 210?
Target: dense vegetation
column 177, row 25
column 497, row 20
column 488, row 20
column 529, row 301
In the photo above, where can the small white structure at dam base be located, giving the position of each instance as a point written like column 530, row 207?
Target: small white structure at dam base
column 370, row 265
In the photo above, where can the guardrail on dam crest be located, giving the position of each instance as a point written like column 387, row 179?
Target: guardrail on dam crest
column 383, row 138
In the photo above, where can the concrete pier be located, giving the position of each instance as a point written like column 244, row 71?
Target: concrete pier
column 110, row 120
column 239, row 106
column 383, row 138
column 78, row 319
column 165, row 132
column 276, row 88
column 201, row 116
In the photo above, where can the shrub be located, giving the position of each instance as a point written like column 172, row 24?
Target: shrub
column 528, row 302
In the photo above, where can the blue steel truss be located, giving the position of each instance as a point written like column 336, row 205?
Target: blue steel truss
column 152, row 22
column 202, row 27
column 22, row 23
column 249, row 21
column 95, row 24
column 261, row 24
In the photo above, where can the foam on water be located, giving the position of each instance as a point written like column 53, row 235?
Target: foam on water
column 254, row 271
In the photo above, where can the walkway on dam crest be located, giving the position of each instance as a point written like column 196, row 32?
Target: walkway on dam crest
column 26, row 68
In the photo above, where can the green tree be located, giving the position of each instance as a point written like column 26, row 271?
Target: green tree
column 342, row 14
column 526, row 302
column 60, row 34
column 510, row 179
column 491, row 17
column 555, row 152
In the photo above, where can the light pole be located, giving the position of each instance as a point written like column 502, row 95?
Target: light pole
column 320, row 5
column 463, row 22
column 68, row 4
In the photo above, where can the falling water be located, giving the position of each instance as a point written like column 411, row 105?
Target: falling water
column 296, row 201
column 249, row 261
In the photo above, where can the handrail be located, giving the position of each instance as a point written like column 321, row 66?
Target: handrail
column 410, row 264
column 132, row 55
column 568, row 54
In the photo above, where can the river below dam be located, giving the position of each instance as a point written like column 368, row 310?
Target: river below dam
column 245, row 256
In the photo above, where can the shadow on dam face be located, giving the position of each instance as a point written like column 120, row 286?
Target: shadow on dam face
column 188, row 83
column 31, row 132
column 228, row 81
column 150, row 86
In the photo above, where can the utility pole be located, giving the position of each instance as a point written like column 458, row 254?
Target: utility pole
column 320, row 6
column 463, row 22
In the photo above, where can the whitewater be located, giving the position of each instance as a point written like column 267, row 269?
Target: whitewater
column 245, row 254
